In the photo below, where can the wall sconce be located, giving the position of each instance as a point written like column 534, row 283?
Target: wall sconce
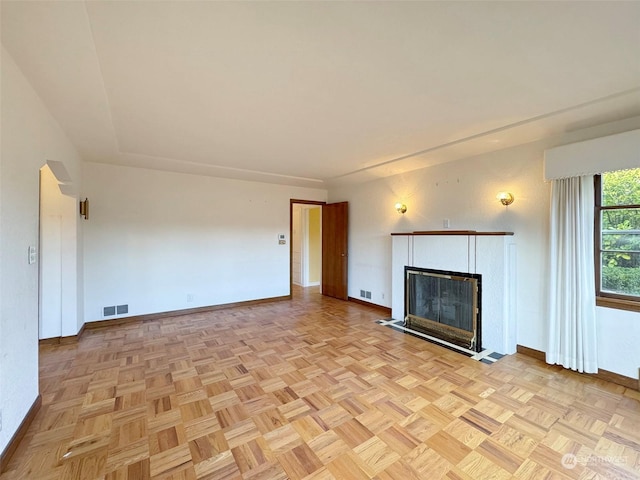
column 84, row 208
column 505, row 198
column 401, row 208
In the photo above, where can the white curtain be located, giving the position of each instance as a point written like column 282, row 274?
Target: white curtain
column 572, row 312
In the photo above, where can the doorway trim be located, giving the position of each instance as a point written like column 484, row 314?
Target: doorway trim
column 293, row 201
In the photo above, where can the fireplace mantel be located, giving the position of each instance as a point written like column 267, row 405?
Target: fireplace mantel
column 491, row 254
column 454, row 232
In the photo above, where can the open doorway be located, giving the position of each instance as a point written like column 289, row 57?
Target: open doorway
column 306, row 244
column 333, row 256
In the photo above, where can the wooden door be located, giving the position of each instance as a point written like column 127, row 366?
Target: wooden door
column 335, row 223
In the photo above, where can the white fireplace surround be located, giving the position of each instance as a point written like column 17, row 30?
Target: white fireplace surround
column 491, row 254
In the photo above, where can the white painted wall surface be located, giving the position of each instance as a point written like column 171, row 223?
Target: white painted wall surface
column 153, row 238
column 71, row 262
column 465, row 193
column 50, row 317
column 618, row 338
column 30, row 137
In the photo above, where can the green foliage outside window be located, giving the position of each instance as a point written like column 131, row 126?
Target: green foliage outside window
column 621, row 232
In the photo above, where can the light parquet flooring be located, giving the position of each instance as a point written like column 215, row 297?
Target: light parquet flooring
column 313, row 389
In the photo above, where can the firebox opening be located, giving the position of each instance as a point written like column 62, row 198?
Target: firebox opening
column 445, row 305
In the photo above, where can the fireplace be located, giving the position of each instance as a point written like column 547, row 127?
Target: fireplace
column 490, row 254
column 445, row 305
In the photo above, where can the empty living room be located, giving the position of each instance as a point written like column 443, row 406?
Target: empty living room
column 342, row 240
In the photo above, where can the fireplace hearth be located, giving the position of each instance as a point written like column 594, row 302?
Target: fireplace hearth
column 444, row 304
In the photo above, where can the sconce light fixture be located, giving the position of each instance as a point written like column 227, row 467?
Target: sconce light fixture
column 401, row 207
column 505, row 198
column 84, row 208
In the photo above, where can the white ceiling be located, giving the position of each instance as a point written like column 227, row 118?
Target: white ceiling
column 315, row 93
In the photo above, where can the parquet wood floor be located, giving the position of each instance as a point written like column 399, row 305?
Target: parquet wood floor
column 313, row 389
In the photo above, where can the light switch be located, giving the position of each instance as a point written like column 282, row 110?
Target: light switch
column 32, row 254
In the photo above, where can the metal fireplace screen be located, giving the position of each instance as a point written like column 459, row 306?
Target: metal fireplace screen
column 444, row 304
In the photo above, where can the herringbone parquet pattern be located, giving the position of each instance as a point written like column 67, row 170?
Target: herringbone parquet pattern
column 313, row 389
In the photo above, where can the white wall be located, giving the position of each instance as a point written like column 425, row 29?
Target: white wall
column 464, row 192
column 154, row 238
column 30, row 137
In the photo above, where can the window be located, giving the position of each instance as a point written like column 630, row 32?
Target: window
column 617, row 238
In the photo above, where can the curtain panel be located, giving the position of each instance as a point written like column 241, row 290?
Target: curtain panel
column 572, row 306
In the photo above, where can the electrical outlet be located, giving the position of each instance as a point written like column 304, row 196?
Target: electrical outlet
column 0, row 420
column 190, row 297
column 33, row 255
column 445, row 223
column 383, row 296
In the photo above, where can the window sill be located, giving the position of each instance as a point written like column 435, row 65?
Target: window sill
column 618, row 303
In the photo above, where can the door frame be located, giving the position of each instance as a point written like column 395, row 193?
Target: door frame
column 291, row 202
